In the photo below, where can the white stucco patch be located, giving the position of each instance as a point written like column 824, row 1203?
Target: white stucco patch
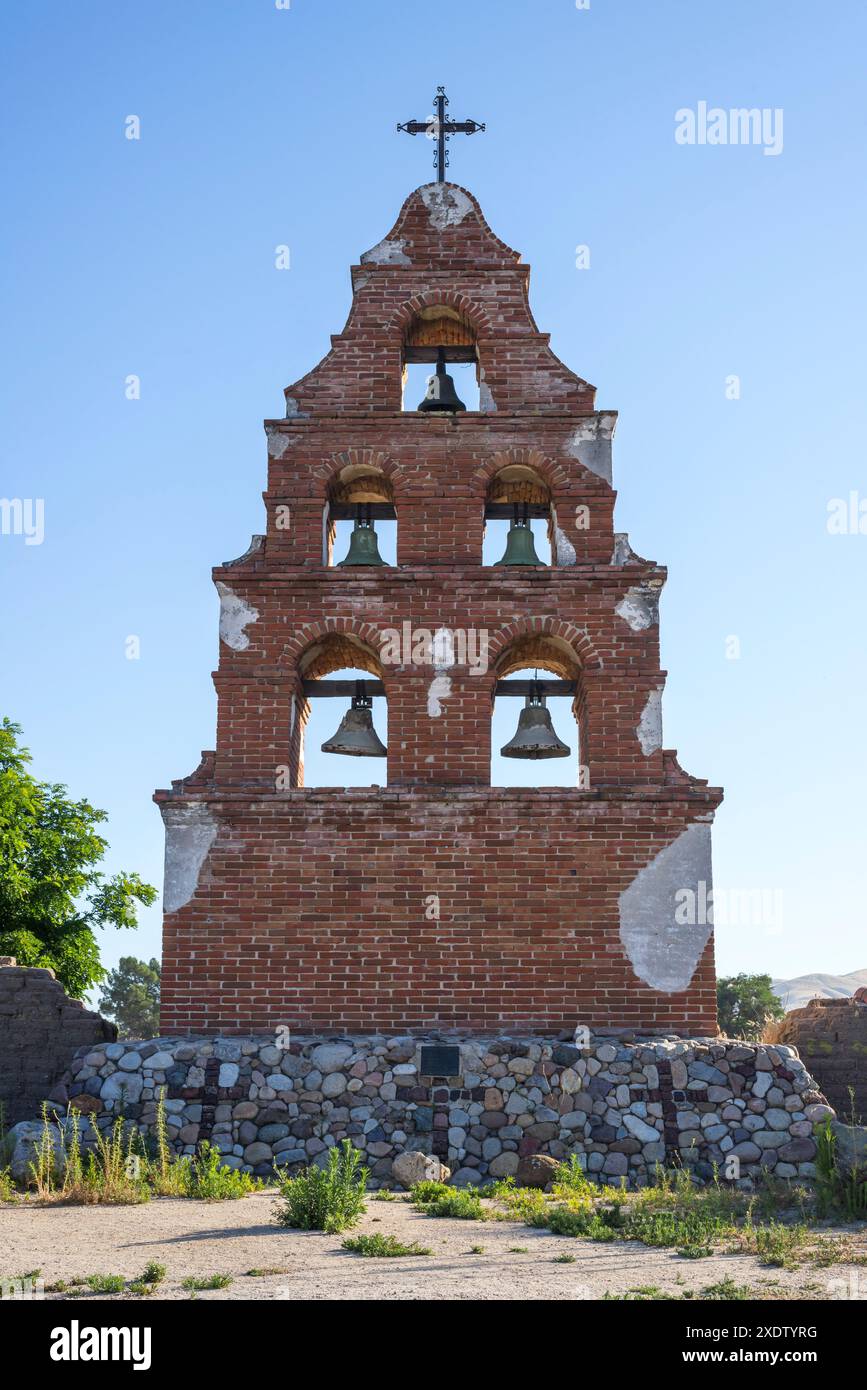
column 649, row 730
column 387, row 253
column 190, row 832
column 623, row 554
column 278, row 441
column 443, row 657
column 564, row 550
column 664, row 952
column 447, row 205
column 590, row 443
column 639, row 608
column 235, row 614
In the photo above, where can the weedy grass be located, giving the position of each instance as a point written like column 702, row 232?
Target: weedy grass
column 105, row 1283
column 383, row 1247
column 839, row 1192
column 429, row 1191
column 325, row 1199
column 119, row 1168
column 200, row 1283
column 461, row 1203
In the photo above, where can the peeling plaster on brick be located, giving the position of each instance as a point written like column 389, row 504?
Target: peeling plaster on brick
column 443, row 650
column 664, row 953
column 487, row 404
column 649, row 730
column 256, row 543
column 292, row 411
column 447, row 205
column 623, row 552
column 590, row 443
column 235, row 614
column 190, row 833
column 387, row 253
column 278, row 441
column 564, row 550
column 639, row 608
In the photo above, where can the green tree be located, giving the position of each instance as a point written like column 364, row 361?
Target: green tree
column 131, row 996
column 52, row 895
column 746, row 1005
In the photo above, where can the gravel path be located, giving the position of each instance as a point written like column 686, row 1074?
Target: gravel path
column 206, row 1238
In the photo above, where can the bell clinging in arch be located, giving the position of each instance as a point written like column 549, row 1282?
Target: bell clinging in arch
column 363, row 543
column 356, row 737
column 535, row 736
column 520, row 547
column 441, row 393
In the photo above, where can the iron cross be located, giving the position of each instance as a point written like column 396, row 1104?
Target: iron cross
column 439, row 129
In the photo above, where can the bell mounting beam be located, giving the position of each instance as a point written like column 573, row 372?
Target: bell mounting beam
column 439, row 129
column 344, row 690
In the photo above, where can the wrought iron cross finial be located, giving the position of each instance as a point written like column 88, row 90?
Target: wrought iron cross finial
column 439, row 129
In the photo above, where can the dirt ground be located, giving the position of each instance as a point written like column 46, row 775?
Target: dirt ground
column 232, row 1238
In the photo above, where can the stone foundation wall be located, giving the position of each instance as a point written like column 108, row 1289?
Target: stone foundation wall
column 622, row 1107
column 40, row 1030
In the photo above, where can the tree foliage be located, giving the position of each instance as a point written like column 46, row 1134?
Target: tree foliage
column 131, row 996
column 52, row 894
column 746, row 1005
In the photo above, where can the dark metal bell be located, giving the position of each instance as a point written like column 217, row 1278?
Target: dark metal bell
column 441, row 393
column 520, row 547
column 535, row 736
column 363, row 544
column 356, row 737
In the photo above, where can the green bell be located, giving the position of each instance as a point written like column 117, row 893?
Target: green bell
column 356, row 737
column 520, row 549
column 535, row 736
column 363, row 544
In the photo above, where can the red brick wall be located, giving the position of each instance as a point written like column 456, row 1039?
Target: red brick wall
column 311, row 912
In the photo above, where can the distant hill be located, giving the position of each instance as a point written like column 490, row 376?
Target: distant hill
column 793, row 994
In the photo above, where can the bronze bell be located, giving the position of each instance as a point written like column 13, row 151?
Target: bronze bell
column 535, row 736
column 520, row 547
column 441, row 393
column 356, row 737
column 363, row 544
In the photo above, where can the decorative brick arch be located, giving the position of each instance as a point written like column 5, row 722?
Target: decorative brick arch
column 551, row 473
column 433, row 299
column 576, row 639
column 348, row 636
column 375, row 460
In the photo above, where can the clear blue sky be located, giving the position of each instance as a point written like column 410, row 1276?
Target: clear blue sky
column 261, row 127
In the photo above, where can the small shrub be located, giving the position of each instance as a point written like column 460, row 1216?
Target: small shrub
column 428, row 1191
column 725, row 1291
column 837, row 1191
column 209, row 1179
column 579, row 1221
column 570, row 1177
column 153, row 1273
column 209, row 1281
column 105, row 1283
column 140, row 1289
column 462, row 1203
column 476, row 1250
column 383, row 1247
column 325, row 1199
column 564, row 1259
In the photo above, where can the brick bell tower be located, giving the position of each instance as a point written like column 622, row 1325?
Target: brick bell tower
column 555, row 907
